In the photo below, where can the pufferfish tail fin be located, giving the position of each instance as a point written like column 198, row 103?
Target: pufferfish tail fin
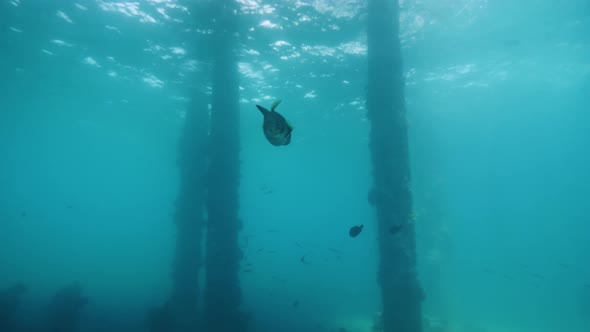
column 275, row 104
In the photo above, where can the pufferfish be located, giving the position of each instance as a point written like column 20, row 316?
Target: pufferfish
column 276, row 129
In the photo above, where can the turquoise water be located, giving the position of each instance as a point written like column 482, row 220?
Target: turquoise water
column 93, row 100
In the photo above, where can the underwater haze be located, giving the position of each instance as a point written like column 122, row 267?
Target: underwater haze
column 94, row 96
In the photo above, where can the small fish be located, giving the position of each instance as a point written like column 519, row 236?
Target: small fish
column 355, row 230
column 276, row 128
column 12, row 292
column 512, row 42
column 395, row 229
column 279, row 279
column 266, row 189
column 302, row 260
column 247, row 240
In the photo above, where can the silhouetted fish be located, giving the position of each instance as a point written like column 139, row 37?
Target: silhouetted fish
column 276, row 128
column 266, row 189
column 355, row 230
column 512, row 42
column 395, row 229
column 302, row 260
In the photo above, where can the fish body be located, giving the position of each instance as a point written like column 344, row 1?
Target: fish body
column 276, row 128
column 355, row 230
column 395, row 229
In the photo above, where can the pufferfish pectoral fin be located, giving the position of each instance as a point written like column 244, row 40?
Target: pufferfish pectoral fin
column 263, row 110
column 275, row 104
